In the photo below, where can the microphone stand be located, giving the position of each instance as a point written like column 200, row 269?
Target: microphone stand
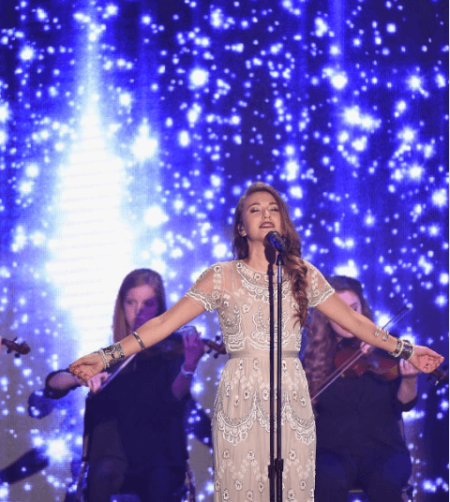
column 276, row 464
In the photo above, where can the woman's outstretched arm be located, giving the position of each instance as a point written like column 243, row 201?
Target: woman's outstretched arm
column 424, row 359
column 150, row 333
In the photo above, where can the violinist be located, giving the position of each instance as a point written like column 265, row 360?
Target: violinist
column 359, row 426
column 134, row 417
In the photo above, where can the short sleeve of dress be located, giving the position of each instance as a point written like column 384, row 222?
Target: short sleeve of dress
column 318, row 289
column 208, row 288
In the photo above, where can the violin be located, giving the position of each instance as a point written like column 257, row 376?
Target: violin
column 173, row 345
column 352, row 362
column 12, row 346
column 218, row 348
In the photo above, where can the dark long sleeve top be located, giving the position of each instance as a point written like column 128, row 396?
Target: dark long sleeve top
column 361, row 410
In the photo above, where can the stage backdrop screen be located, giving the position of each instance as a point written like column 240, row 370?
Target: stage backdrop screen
column 128, row 131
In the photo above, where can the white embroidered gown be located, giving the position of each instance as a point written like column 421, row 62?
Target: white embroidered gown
column 241, row 411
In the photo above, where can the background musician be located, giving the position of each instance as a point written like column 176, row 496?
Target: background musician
column 359, row 429
column 135, row 417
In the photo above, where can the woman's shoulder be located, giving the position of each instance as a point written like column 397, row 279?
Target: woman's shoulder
column 312, row 270
column 224, row 266
column 217, row 270
column 318, row 289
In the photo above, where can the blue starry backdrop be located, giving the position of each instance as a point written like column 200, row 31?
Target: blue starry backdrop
column 128, row 130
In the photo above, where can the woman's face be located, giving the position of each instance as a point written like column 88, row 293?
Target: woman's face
column 260, row 215
column 135, row 300
column 351, row 299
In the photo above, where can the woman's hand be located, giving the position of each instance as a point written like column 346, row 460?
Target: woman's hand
column 407, row 370
column 86, row 367
column 407, row 390
column 96, row 382
column 194, row 348
column 425, row 359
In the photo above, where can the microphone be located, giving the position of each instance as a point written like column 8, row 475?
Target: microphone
column 277, row 241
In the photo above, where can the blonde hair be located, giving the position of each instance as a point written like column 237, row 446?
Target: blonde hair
column 133, row 279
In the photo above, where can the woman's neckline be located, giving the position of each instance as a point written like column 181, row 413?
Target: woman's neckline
column 263, row 276
column 253, row 269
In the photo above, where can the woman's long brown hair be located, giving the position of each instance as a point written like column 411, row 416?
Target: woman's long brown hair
column 132, row 280
column 322, row 340
column 294, row 264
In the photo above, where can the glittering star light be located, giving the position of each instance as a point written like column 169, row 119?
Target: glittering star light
column 199, row 77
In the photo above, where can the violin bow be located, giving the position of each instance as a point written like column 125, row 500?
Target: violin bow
column 338, row 371
column 113, row 375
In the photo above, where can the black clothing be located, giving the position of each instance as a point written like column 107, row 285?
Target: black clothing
column 352, row 410
column 381, row 472
column 157, row 484
column 360, row 439
column 136, row 417
column 136, row 427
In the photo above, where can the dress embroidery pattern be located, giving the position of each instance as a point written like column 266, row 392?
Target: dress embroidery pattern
column 213, row 299
column 261, row 334
column 317, row 295
column 232, row 334
column 257, row 283
column 241, row 423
